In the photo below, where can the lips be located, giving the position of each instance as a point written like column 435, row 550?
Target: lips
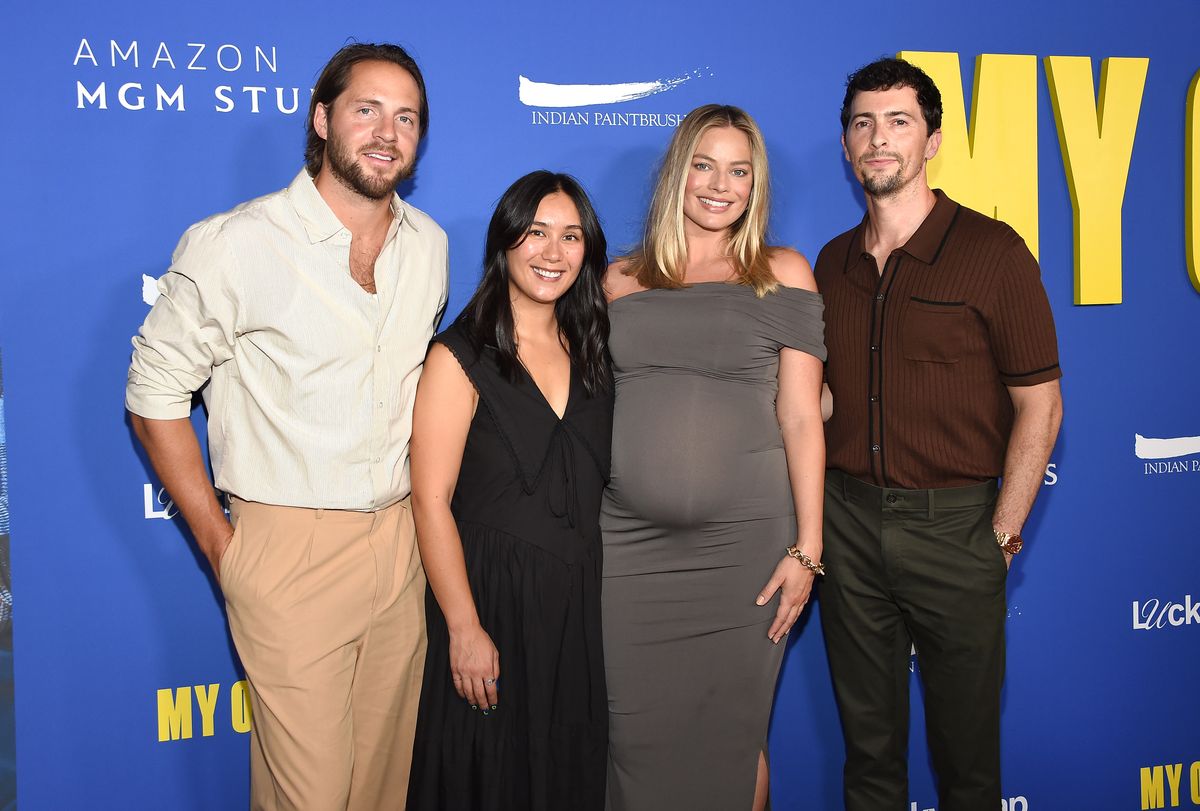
column 386, row 157
column 548, row 275
column 716, row 205
column 879, row 159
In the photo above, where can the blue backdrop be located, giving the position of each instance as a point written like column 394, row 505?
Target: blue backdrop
column 128, row 121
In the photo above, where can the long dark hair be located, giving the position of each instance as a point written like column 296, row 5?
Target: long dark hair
column 332, row 83
column 582, row 312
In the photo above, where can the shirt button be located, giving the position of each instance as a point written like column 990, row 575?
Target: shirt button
column 874, row 449
column 874, row 399
column 891, row 498
column 380, row 403
column 379, row 349
column 880, row 297
column 377, row 459
column 874, row 348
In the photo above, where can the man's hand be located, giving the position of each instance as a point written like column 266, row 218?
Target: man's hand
column 175, row 453
column 213, row 546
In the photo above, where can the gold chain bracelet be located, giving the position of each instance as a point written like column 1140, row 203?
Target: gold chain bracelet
column 806, row 561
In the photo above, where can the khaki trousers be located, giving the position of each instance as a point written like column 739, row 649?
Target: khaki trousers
column 326, row 608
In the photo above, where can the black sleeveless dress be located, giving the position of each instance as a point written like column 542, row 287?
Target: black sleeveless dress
column 527, row 505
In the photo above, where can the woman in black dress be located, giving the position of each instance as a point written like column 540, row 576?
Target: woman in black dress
column 510, row 453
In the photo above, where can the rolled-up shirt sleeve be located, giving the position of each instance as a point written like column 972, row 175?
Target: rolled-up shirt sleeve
column 190, row 329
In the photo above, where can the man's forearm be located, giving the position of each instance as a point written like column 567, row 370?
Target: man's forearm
column 175, row 453
column 1038, row 415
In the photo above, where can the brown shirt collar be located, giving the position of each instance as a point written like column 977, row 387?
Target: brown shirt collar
column 926, row 243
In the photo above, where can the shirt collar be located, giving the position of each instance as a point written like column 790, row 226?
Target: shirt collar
column 320, row 223
column 926, row 243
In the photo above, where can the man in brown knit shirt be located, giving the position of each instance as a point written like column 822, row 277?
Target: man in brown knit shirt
column 943, row 365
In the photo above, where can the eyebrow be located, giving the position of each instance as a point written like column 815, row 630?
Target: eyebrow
column 714, row 160
column 378, row 103
column 547, row 225
column 885, row 114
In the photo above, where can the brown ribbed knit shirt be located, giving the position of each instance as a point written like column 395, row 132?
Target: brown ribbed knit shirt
column 920, row 355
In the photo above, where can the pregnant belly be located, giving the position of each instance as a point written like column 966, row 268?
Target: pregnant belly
column 696, row 451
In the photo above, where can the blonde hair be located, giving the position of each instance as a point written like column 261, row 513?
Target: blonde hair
column 661, row 259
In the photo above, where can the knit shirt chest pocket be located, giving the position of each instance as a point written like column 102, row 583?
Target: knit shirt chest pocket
column 933, row 331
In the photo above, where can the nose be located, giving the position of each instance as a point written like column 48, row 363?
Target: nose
column 551, row 250
column 717, row 181
column 878, row 137
column 385, row 130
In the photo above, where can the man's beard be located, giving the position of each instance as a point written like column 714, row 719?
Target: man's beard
column 884, row 185
column 344, row 166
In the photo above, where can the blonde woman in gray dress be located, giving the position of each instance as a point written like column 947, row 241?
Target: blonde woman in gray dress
column 712, row 519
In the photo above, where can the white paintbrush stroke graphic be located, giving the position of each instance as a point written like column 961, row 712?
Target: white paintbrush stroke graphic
column 149, row 289
column 1168, row 448
column 548, row 94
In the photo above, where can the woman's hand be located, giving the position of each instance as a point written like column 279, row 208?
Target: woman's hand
column 475, row 667
column 796, row 581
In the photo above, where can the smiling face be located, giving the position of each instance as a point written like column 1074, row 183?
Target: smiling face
column 719, row 180
column 371, row 130
column 546, row 262
column 886, row 141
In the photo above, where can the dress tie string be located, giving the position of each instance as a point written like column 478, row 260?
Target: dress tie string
column 561, row 497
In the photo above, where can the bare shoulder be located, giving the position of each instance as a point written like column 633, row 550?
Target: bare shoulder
column 618, row 282
column 791, row 269
column 438, row 356
column 443, row 372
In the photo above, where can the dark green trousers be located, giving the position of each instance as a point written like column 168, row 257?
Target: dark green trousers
column 915, row 567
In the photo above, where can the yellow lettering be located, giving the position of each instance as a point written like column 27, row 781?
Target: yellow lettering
column 174, row 714
column 240, row 707
column 992, row 165
column 1191, row 197
column 1174, row 771
column 206, row 699
column 1096, row 139
column 1194, row 773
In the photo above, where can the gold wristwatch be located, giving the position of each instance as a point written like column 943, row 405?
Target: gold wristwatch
column 1010, row 542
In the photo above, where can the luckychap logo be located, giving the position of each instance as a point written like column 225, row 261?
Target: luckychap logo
column 1017, row 803
column 1163, row 455
column 556, row 104
column 177, row 77
column 157, row 504
column 1155, row 614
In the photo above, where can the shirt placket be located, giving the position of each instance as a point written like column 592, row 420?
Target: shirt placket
column 379, row 477
column 381, row 380
column 875, row 438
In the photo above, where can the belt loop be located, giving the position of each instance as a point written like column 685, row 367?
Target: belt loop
column 320, row 513
column 845, row 486
column 931, row 507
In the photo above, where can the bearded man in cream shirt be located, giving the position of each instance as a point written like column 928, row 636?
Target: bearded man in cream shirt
column 307, row 312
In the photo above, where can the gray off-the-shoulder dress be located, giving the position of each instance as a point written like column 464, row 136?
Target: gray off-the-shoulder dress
column 697, row 515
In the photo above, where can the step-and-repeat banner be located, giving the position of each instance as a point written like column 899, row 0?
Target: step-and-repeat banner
column 125, row 122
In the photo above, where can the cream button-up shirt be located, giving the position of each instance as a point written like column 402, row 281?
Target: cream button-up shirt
column 311, row 380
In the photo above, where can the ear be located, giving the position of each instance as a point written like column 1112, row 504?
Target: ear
column 321, row 121
column 845, row 152
column 933, row 144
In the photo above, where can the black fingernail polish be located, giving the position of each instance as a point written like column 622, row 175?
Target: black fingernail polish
column 493, row 706
column 474, row 706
